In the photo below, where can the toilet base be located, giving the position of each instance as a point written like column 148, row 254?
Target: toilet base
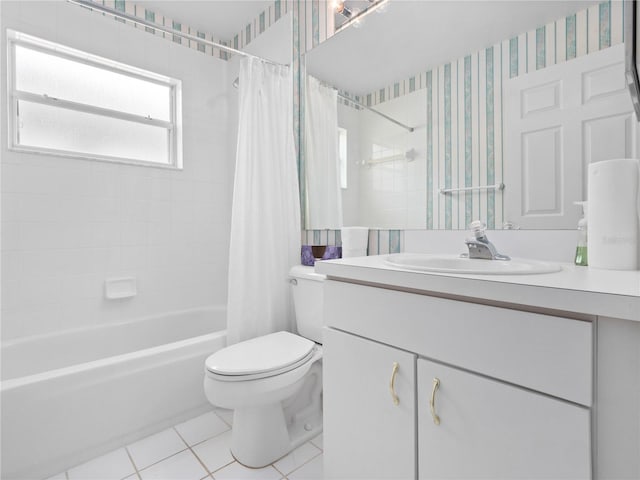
column 262, row 435
column 251, row 427
column 251, row 452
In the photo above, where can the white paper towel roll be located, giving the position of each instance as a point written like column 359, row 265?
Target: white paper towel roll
column 613, row 214
column 354, row 241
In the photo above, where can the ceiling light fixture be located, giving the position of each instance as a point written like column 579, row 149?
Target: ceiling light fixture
column 355, row 19
column 342, row 9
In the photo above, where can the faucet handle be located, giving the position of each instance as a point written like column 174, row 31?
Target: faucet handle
column 478, row 228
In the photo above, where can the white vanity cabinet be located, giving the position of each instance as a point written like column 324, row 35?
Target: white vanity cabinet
column 370, row 433
column 514, row 395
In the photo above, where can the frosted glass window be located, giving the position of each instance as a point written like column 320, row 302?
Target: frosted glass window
column 65, row 130
column 42, row 73
column 72, row 103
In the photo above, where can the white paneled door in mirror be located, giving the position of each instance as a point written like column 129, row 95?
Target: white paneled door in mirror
column 559, row 120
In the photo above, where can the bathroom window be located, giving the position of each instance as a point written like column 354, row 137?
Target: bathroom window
column 67, row 102
column 342, row 155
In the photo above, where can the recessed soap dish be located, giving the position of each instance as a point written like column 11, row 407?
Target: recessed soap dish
column 124, row 287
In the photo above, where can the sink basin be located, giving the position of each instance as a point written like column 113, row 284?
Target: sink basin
column 457, row 264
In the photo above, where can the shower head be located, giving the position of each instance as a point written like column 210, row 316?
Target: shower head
column 236, row 82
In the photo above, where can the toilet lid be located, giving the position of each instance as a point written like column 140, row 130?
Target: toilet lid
column 261, row 355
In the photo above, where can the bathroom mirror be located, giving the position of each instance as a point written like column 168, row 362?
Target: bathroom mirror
column 443, row 71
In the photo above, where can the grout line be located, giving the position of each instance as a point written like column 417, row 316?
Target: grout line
column 161, row 460
column 206, row 439
column 181, row 438
column 308, row 461
column 224, row 466
column 135, row 467
column 317, row 446
column 279, row 471
column 282, row 476
column 206, row 469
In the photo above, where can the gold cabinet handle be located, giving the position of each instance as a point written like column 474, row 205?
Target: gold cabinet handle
column 432, row 401
column 392, row 388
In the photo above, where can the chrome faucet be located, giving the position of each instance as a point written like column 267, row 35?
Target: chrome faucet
column 479, row 246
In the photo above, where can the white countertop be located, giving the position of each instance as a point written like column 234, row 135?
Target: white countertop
column 576, row 289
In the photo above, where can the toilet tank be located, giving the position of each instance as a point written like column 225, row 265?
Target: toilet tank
column 308, row 295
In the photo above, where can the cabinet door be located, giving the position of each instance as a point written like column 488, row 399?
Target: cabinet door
column 367, row 435
column 490, row 429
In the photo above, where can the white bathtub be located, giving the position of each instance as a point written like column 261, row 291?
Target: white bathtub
column 69, row 397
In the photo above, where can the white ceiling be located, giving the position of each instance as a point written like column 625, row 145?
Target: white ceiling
column 407, row 37
column 414, row 36
column 223, row 18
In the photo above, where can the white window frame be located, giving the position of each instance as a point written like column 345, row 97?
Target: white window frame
column 173, row 126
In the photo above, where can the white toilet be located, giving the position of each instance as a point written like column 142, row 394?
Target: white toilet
column 273, row 383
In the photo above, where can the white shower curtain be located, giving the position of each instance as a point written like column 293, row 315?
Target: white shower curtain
column 323, row 194
column 265, row 219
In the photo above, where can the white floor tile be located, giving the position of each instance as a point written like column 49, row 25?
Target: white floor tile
column 113, row 465
column 155, row 448
column 297, row 458
column 226, row 415
column 60, row 476
column 318, row 441
column 201, row 428
column 314, row 470
column 215, row 453
column 182, row 466
column 235, row 471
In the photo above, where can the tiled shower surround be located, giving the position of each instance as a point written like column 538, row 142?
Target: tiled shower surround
column 68, row 224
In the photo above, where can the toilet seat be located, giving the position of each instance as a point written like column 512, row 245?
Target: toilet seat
column 260, row 357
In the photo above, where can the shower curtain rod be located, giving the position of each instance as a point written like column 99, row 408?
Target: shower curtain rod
column 393, row 120
column 125, row 16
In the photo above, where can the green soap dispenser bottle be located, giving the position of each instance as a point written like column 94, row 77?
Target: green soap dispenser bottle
column 581, row 248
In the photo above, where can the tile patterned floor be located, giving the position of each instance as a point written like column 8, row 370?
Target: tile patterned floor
column 194, row 450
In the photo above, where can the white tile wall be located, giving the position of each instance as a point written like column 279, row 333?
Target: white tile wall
column 67, row 224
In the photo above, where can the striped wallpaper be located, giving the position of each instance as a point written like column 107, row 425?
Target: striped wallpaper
column 380, row 241
column 463, row 139
column 586, row 31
